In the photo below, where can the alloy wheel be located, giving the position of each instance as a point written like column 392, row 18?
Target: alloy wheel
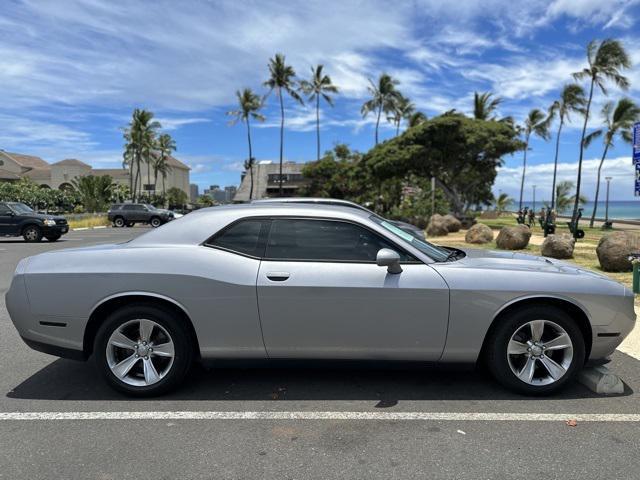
column 140, row 352
column 540, row 352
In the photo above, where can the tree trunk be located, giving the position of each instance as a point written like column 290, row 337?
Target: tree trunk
column 397, row 127
column 524, row 170
column 318, row 124
column 584, row 131
column 281, row 137
column 250, row 158
column 555, row 166
column 149, row 175
column 378, row 121
column 595, row 205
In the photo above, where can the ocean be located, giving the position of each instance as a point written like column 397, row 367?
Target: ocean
column 620, row 210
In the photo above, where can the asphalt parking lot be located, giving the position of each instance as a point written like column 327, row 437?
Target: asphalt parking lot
column 59, row 420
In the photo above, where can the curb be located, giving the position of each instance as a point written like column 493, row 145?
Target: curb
column 80, row 229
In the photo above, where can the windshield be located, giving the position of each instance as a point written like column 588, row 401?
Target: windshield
column 436, row 253
column 21, row 208
column 150, row 207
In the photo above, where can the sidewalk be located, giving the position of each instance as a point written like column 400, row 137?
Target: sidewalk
column 631, row 345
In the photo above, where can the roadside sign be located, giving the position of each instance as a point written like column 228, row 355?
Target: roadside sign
column 637, row 179
column 636, row 135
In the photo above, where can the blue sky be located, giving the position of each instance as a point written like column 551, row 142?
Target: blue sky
column 71, row 71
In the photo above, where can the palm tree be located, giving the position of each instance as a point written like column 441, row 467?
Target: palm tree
column 606, row 59
column 503, row 202
column 416, row 119
column 140, row 142
column 403, row 109
column 563, row 200
column 618, row 122
column 282, row 80
column 484, row 105
column 94, row 191
column 571, row 100
column 384, row 97
column 319, row 86
column 250, row 104
column 535, row 124
column 165, row 145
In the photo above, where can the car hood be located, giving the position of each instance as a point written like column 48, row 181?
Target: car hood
column 515, row 261
column 46, row 216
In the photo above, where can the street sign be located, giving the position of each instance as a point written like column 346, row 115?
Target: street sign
column 637, row 179
column 636, row 134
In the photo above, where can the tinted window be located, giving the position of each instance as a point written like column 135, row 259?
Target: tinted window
column 242, row 237
column 133, row 207
column 4, row 210
column 324, row 240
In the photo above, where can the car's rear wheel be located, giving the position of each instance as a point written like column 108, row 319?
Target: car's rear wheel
column 118, row 222
column 143, row 350
column 535, row 350
column 32, row 234
column 155, row 222
column 53, row 238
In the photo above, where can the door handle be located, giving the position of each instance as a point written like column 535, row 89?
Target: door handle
column 278, row 276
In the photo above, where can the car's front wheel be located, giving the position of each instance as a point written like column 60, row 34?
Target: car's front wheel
column 53, row 238
column 535, row 350
column 143, row 350
column 32, row 234
column 155, row 222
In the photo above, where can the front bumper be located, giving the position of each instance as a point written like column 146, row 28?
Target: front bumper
column 55, row 230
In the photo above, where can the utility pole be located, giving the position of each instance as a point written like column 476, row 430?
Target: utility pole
column 606, row 210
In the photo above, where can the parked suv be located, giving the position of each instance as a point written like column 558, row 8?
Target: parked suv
column 128, row 214
column 17, row 219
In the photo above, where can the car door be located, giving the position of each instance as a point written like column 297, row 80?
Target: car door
column 7, row 220
column 321, row 295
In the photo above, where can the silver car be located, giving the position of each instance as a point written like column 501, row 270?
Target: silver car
column 291, row 281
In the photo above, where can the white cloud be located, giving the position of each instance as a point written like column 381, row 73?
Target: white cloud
column 610, row 13
column 620, row 169
column 175, row 123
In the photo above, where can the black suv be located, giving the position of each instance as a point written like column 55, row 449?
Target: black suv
column 17, row 219
column 128, row 214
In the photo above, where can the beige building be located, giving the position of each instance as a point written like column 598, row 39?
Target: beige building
column 266, row 181
column 14, row 166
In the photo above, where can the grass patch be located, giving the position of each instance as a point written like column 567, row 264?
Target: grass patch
column 88, row 222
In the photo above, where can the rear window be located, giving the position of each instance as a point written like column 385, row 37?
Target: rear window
column 246, row 237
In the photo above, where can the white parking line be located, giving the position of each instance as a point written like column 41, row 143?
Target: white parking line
column 420, row 416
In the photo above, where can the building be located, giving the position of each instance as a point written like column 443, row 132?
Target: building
column 14, row 166
column 266, row 181
column 193, row 193
column 230, row 193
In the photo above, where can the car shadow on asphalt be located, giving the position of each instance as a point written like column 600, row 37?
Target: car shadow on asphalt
column 383, row 384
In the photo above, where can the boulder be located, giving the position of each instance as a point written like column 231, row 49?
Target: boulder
column 614, row 249
column 514, row 237
column 452, row 223
column 479, row 233
column 558, row 246
column 437, row 226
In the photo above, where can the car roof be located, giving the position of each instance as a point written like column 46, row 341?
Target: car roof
column 196, row 227
column 313, row 200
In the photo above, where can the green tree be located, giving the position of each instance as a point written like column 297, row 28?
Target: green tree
column 383, row 99
column 249, row 104
column 484, row 105
column 502, row 202
column 535, row 124
column 176, row 198
column 416, row 118
column 571, row 100
column 403, row 109
column 94, row 191
column 461, row 153
column 139, row 137
column 563, row 198
column 165, row 146
column 282, row 80
column 618, row 120
column 319, row 85
column 606, row 59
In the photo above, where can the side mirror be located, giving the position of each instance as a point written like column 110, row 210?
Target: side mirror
column 390, row 259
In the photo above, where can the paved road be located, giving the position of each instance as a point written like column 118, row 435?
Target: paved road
column 264, row 437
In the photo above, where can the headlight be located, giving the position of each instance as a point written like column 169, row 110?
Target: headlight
column 50, row 223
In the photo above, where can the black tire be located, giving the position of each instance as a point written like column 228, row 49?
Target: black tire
column 32, row 234
column 155, row 222
column 179, row 333
column 496, row 349
column 118, row 222
column 130, row 224
column 53, row 238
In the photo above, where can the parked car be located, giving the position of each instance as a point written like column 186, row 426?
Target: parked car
column 128, row 214
column 292, row 281
column 19, row 220
column 407, row 227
